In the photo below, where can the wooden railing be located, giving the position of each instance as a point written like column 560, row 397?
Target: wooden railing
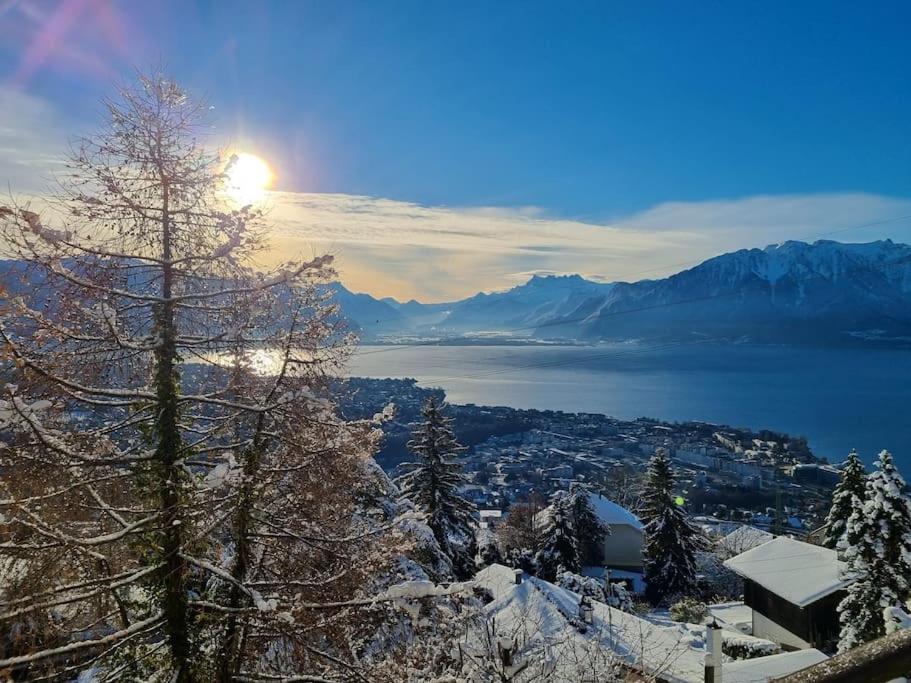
column 875, row 662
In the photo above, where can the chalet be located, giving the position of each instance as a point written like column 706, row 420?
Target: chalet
column 793, row 589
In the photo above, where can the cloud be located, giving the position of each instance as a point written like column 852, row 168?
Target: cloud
column 31, row 142
column 404, row 249
column 775, row 216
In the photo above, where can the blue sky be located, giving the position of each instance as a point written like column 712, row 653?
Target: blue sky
column 593, row 113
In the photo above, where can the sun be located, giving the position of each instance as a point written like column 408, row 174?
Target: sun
column 248, row 178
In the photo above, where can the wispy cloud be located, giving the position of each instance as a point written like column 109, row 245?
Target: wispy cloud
column 31, row 141
column 408, row 250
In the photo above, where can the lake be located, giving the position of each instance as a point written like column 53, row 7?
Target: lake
column 838, row 398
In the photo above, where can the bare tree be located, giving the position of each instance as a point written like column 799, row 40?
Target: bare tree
column 521, row 530
column 176, row 511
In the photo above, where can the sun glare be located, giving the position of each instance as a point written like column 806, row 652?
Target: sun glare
column 248, row 178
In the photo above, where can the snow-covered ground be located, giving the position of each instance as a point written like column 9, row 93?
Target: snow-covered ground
column 543, row 622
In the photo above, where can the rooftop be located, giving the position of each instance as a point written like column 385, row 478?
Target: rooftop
column 608, row 511
column 799, row 572
column 536, row 609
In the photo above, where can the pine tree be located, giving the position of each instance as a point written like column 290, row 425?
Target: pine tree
column 432, row 484
column 588, row 528
column 559, row 550
column 671, row 542
column 851, row 486
column 877, row 548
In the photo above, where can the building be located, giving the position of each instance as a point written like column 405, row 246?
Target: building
column 816, row 475
column 793, row 589
column 490, row 519
column 623, row 545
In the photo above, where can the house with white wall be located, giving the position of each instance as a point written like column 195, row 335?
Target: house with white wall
column 623, row 546
column 793, row 589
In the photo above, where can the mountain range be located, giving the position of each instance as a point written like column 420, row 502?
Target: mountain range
column 821, row 293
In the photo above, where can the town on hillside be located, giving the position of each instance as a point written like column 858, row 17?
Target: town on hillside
column 726, row 476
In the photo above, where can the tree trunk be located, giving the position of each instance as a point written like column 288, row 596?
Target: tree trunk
column 167, row 454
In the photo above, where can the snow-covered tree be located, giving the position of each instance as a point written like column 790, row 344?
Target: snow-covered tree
column 572, row 534
column 588, row 528
column 174, row 512
column 877, row 548
column 851, row 486
column 671, row 541
column 432, row 484
column 559, row 551
column 488, row 550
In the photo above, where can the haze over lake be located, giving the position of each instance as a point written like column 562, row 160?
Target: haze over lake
column 839, row 399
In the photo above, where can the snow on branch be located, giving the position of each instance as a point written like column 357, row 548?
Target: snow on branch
column 78, row 646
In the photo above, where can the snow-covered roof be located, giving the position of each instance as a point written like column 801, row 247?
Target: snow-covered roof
column 497, row 579
column 799, row 572
column 744, row 538
column 536, row 609
column 773, row 666
column 540, row 610
column 608, row 511
column 734, row 615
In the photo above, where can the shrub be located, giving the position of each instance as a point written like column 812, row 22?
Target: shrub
column 747, row 647
column 689, row 611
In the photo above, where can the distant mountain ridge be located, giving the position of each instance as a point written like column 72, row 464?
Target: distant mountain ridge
column 826, row 293
column 822, row 293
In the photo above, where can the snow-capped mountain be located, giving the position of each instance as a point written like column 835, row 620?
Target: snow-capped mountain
column 825, row 292
column 820, row 292
column 524, row 307
column 368, row 315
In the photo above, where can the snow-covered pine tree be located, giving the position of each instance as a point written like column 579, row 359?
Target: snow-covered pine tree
column 851, row 486
column 432, row 482
column 588, row 527
column 877, row 548
column 176, row 515
column 671, row 542
column 559, row 551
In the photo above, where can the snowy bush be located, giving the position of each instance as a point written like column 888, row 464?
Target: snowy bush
column 621, row 598
column 488, row 550
column 738, row 646
column 583, row 585
column 689, row 611
column 640, row 608
column 524, row 559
